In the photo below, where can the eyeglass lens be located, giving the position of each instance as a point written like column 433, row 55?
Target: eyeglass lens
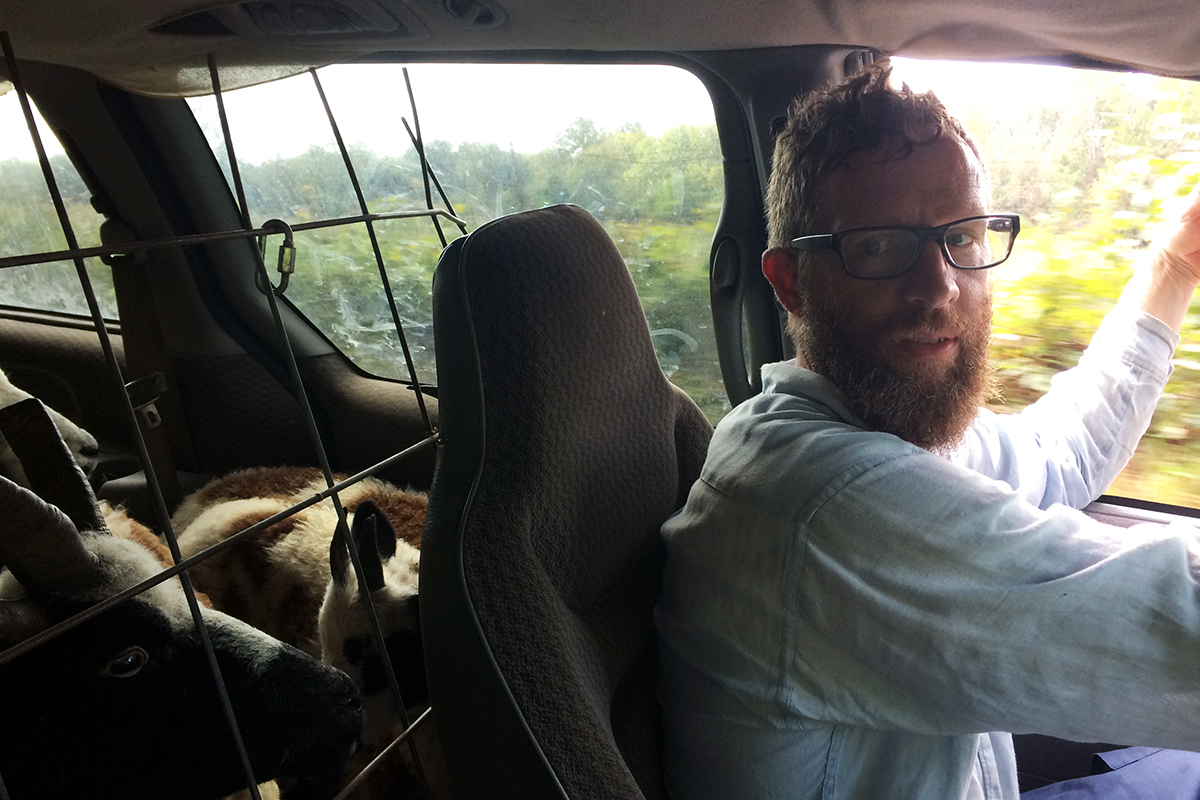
column 884, row 252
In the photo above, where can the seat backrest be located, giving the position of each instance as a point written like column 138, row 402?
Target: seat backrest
column 562, row 450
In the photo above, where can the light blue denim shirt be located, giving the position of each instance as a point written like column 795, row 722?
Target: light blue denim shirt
column 847, row 616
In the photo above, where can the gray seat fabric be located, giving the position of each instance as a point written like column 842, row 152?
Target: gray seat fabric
column 562, row 450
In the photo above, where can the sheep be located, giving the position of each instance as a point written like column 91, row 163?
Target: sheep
column 122, row 705
column 82, row 444
column 347, row 643
column 85, row 450
column 126, row 527
column 277, row 580
column 294, row 579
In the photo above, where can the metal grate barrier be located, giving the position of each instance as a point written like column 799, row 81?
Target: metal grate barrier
column 249, row 231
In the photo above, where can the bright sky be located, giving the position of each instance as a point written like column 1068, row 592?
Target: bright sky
column 518, row 105
column 15, row 141
column 524, row 106
column 528, row 106
column 961, row 83
column 999, row 89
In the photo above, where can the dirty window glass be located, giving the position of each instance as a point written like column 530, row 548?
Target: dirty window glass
column 634, row 145
column 1093, row 162
column 29, row 222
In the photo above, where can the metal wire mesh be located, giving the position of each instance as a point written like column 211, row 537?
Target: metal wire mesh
column 163, row 517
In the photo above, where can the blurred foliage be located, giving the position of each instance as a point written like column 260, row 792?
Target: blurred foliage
column 1092, row 174
column 1093, row 178
column 658, row 197
column 29, row 224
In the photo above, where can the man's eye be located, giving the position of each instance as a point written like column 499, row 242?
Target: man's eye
column 959, row 239
column 875, row 246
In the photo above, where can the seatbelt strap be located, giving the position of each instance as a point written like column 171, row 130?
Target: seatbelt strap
column 151, row 387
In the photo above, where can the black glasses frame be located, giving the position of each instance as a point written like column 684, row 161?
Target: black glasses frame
column 833, row 241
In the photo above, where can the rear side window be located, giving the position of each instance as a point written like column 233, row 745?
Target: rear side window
column 634, row 145
column 1093, row 162
column 30, row 224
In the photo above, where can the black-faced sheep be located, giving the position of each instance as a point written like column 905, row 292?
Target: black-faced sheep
column 123, row 705
column 82, row 444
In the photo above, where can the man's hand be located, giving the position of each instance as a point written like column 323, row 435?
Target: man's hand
column 1180, row 246
column 1164, row 285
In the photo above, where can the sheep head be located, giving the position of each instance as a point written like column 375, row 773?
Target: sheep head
column 390, row 571
column 124, row 705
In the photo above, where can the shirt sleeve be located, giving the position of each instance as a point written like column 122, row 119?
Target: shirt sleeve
column 1070, row 445
column 992, row 614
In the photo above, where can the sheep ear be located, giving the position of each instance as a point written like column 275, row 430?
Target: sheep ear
column 339, row 557
column 369, row 527
column 385, row 535
column 49, row 466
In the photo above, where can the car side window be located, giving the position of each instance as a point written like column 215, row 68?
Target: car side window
column 30, row 224
column 1093, row 162
column 634, row 145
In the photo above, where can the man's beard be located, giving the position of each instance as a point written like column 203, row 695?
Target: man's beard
column 929, row 405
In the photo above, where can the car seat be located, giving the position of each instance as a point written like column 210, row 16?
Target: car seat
column 562, row 449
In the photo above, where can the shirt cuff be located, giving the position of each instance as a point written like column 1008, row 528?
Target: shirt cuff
column 1138, row 339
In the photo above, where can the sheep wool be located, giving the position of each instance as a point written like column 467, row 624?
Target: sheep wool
column 276, row 579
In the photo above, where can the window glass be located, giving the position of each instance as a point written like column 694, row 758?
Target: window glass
column 634, row 145
column 1093, row 162
column 29, row 223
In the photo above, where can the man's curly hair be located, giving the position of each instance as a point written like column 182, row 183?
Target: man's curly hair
column 824, row 128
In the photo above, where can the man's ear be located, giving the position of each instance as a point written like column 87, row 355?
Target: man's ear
column 779, row 266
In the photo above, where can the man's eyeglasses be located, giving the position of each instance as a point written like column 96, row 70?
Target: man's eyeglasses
column 878, row 253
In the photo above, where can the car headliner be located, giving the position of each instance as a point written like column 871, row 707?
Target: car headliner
column 112, row 38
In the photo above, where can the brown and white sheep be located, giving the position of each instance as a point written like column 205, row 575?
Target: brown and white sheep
column 277, row 579
column 347, row 642
column 280, row 580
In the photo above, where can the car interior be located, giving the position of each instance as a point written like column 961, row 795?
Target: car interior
column 509, row 351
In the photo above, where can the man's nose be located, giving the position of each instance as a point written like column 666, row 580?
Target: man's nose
column 933, row 282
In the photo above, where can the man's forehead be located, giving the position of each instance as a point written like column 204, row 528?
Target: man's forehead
column 903, row 184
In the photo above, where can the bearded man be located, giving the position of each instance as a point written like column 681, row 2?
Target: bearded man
column 874, row 578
